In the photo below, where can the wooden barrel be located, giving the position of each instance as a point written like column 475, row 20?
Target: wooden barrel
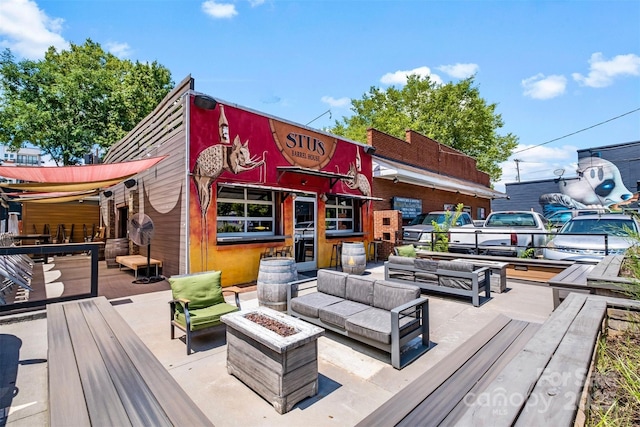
column 274, row 276
column 114, row 248
column 354, row 258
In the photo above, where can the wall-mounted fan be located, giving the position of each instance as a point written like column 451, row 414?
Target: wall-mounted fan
column 141, row 231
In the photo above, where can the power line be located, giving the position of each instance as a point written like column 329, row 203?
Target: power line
column 573, row 133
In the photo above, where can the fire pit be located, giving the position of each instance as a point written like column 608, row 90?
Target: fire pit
column 276, row 355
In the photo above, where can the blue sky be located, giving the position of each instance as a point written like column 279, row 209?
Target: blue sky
column 553, row 67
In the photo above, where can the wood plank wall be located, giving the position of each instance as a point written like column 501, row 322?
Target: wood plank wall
column 161, row 190
column 38, row 214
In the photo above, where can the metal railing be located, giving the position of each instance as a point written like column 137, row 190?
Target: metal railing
column 478, row 248
column 43, row 251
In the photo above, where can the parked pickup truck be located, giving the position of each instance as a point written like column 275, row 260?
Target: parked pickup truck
column 419, row 231
column 504, row 233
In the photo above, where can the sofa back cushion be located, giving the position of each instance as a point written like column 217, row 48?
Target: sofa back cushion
column 360, row 289
column 455, row 282
column 388, row 295
column 332, row 282
column 201, row 289
column 396, row 259
column 426, row 264
column 405, row 250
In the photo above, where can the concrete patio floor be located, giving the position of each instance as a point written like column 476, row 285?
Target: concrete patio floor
column 354, row 379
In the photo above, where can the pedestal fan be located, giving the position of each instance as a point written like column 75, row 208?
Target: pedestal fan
column 141, row 231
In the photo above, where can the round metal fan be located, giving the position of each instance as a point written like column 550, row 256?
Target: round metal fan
column 141, row 231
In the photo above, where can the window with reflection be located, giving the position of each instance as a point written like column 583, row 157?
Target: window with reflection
column 341, row 215
column 245, row 212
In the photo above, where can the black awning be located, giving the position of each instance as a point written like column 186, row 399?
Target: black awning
column 333, row 177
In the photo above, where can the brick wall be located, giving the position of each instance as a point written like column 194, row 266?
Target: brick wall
column 387, row 227
column 425, row 153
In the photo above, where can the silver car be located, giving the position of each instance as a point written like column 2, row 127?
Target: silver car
column 583, row 237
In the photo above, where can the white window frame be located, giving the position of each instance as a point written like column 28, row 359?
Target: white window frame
column 335, row 219
column 245, row 219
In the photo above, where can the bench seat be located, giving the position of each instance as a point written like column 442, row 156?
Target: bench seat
column 134, row 262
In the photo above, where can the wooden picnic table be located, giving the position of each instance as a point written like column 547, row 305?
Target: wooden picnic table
column 571, row 279
column 102, row 374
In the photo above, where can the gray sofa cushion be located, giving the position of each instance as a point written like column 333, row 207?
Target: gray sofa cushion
column 395, row 259
column 360, row 289
column 426, row 277
column 332, row 282
column 309, row 305
column 337, row 313
column 426, row 264
column 375, row 324
column 455, row 282
column 388, row 295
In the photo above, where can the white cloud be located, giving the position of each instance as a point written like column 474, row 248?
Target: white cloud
column 219, row 10
column 603, row 72
column 544, row 87
column 400, row 77
column 338, row 103
column 538, row 163
column 121, row 50
column 459, row 71
column 28, row 31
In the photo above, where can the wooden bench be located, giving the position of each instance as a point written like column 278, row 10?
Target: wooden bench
column 571, row 279
column 437, row 396
column 134, row 262
column 101, row 373
column 508, row 374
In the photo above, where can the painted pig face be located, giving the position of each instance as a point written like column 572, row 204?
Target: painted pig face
column 600, row 183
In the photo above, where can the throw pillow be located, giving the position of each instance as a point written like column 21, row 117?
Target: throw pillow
column 406, row 250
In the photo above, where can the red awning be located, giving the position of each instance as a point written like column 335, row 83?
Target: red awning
column 68, row 183
column 78, row 174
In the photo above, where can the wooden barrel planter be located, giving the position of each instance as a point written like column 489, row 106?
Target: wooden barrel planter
column 354, row 258
column 114, row 248
column 274, row 276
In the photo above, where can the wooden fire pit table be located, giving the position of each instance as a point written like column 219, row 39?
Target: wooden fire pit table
column 281, row 369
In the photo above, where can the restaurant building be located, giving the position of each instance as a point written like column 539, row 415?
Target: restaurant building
column 237, row 185
column 419, row 174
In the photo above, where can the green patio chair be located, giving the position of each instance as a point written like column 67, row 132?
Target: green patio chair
column 198, row 303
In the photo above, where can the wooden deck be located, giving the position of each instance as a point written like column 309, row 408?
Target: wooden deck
column 102, row 374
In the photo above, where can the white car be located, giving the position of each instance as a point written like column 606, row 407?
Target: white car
column 583, row 237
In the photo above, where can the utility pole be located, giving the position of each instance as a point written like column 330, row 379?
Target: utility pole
column 517, row 168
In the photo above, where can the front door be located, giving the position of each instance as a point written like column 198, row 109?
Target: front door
column 304, row 214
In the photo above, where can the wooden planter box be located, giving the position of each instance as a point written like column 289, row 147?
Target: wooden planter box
column 605, row 278
column 283, row 370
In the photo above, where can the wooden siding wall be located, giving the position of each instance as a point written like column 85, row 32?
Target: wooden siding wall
column 161, row 190
column 36, row 214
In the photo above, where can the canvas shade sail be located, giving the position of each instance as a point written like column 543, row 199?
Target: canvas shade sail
column 69, row 183
column 53, row 197
column 79, row 174
column 64, row 187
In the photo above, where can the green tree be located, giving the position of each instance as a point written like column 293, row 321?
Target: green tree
column 453, row 114
column 75, row 100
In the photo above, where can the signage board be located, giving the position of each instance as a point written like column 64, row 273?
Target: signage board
column 410, row 208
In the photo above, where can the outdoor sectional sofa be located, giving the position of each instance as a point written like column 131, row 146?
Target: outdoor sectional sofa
column 446, row 277
column 382, row 314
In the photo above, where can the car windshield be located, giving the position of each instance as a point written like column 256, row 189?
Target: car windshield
column 427, row 219
column 510, row 220
column 612, row 227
